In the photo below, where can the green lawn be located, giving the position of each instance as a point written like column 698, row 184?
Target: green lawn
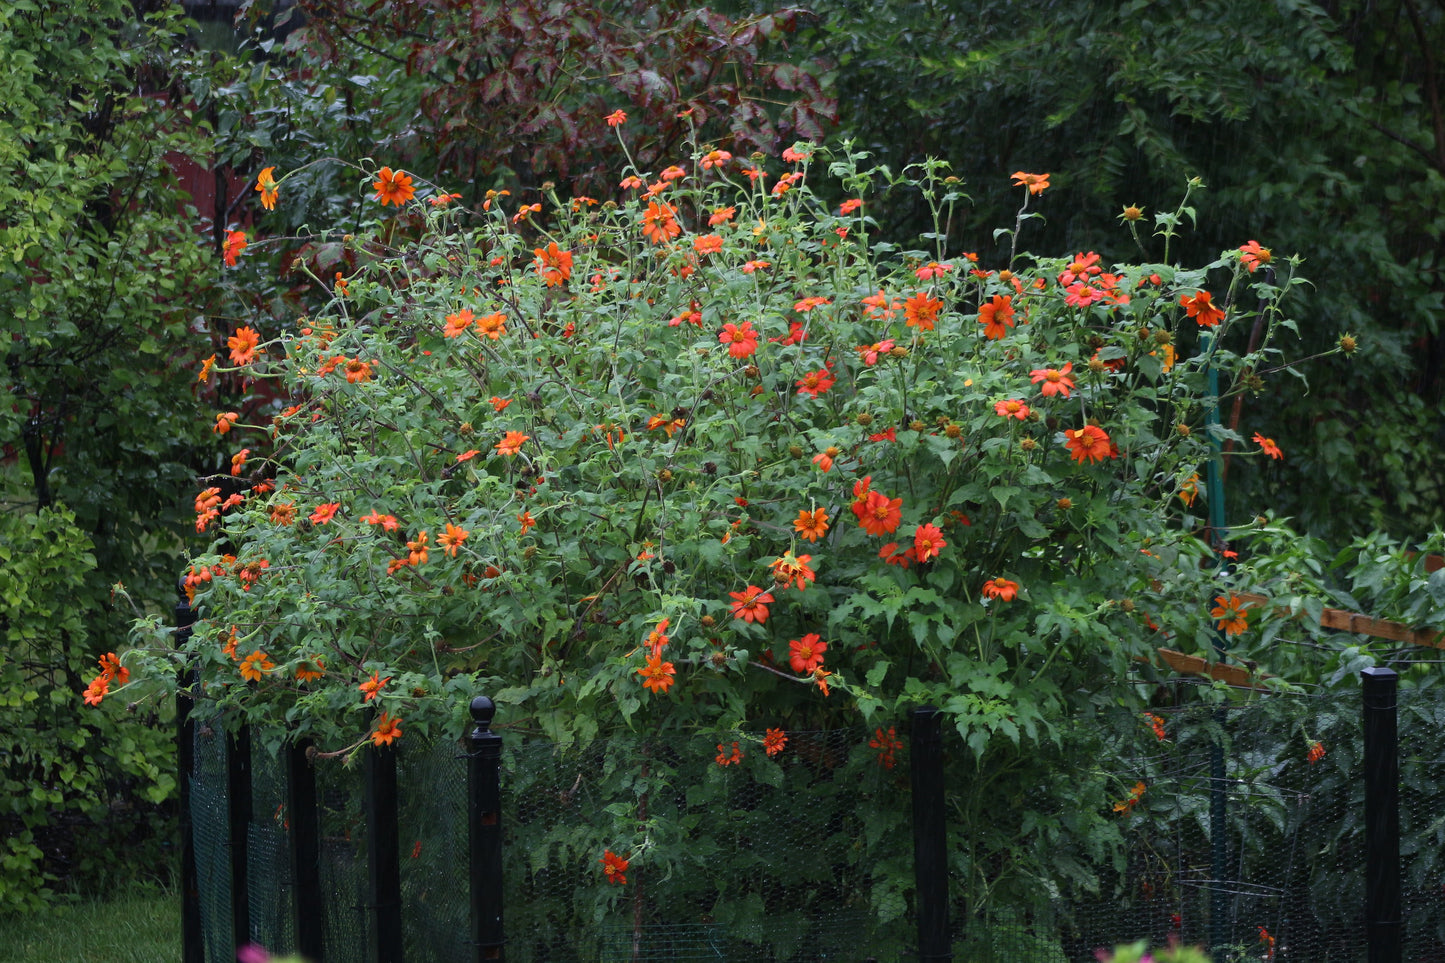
column 143, row 925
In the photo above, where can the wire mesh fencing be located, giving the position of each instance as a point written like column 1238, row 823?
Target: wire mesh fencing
column 1238, row 826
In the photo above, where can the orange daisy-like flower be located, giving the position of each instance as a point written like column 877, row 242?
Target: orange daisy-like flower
column 206, row 369
column 1268, row 446
column 387, row 731
column 372, row 687
column 235, row 244
column 820, row 679
column 707, row 244
column 658, row 638
column 806, row 654
column 492, row 325
column 815, row 383
column 751, row 604
column 1189, row 490
column 811, row 525
column 614, row 866
column 616, row 119
column 1127, row 804
column 794, row 570
column 824, row 458
column 97, row 690
column 1001, row 589
column 243, row 345
column 659, row 224
column 724, row 758
column 1036, row 183
column 921, row 311
column 324, row 513
column 458, row 323
column 238, row 461
column 553, row 264
column 283, row 513
column 928, row 542
column 266, row 184
column 1201, row 308
column 452, row 539
column 1089, row 443
column 879, row 514
column 527, row 521
column 774, row 741
column 741, row 339
column 387, row 522
column 256, row 665
column 357, row 370
column 1252, row 256
column 393, row 187
column 310, row 670
column 511, row 443
column 112, row 670
column 887, row 744
column 1233, row 619
column 1055, row 381
column 997, row 316
column 657, row 675
column 1011, row 408
column 1316, row 753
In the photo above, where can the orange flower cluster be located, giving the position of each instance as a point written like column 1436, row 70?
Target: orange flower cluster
column 887, row 743
column 111, row 672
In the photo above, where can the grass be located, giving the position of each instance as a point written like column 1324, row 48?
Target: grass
column 142, row 925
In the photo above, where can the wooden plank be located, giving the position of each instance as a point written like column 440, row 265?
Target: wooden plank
column 1235, row 675
column 1360, row 624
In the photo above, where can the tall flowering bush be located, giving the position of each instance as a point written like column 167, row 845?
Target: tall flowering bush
column 702, row 455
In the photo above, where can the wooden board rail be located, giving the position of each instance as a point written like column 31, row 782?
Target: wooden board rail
column 1360, row 624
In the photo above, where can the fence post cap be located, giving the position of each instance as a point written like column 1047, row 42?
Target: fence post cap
column 483, row 710
column 1379, row 672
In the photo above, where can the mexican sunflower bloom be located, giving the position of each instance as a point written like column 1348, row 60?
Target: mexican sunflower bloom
column 388, row 730
column 887, row 744
column 1268, row 446
column 815, row 383
column 659, row 224
column 256, row 665
column 492, row 326
column 511, row 443
column 393, row 187
column 372, row 687
column 1127, row 804
column 1001, row 589
column 806, row 654
column 266, row 184
column 1011, row 408
column 921, row 311
column 1157, row 724
column 243, row 345
column 793, row 570
column 928, row 542
column 774, row 741
column 1201, row 308
column 614, row 866
column 880, row 515
column 741, row 339
column 1089, row 443
column 658, row 638
column 1252, row 256
column 996, row 317
column 451, row 539
column 1316, row 753
column 751, row 604
column 97, row 690
column 811, row 525
column 324, row 513
column 1055, row 381
column 457, row 324
column 235, row 244
column 310, row 670
column 1036, row 183
column 657, row 675
column 616, row 119
column 724, row 758
column 553, row 264
column 1233, row 619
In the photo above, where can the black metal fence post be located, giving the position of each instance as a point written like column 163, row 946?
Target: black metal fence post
column 193, row 948
column 484, row 809
column 930, row 835
column 383, row 859
column 1382, row 816
column 304, row 832
column 238, row 794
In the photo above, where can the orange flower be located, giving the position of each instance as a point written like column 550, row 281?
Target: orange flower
column 1233, row 619
column 416, row 550
column 393, row 187
column 790, row 569
column 1011, row 408
column 1253, row 256
column 657, row 638
column 811, row 525
column 657, row 675
column 235, row 244
column 751, row 604
column 1036, row 183
column 452, row 539
column 707, row 244
column 206, row 369
column 527, row 521
column 774, row 741
column 879, row 306
column 724, row 758
column 499, row 403
column 715, row 158
column 324, row 513
column 887, row 744
column 806, row 654
column 741, row 339
column 97, row 690
column 880, row 515
column 815, row 383
column 243, row 345
column 256, row 665
column 283, row 513
column 808, row 304
column 849, row 206
column 616, row 119
column 387, row 522
column 1189, row 490
column 1126, row 805
column 928, row 542
column 357, row 371
column 1268, row 446
column 388, row 730
column 492, row 326
column 1089, row 443
column 1157, row 724
column 1201, row 308
column 458, row 323
column 658, row 222
column 613, row 865
column 824, row 458
column 112, row 670
column 238, row 461
column 921, row 311
column 511, row 443
column 1055, row 381
column 553, row 265
column 266, row 184
column 820, row 678
column 372, row 687
column 1316, row 753
column 310, row 670
column 997, row 316
column 1001, row 588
